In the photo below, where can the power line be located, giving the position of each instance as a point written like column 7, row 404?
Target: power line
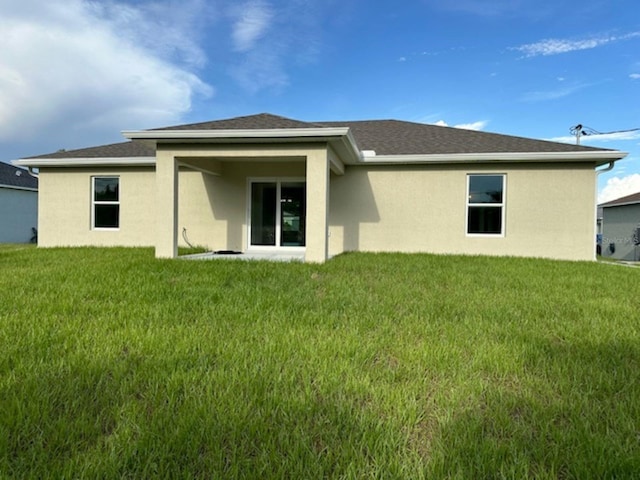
column 582, row 130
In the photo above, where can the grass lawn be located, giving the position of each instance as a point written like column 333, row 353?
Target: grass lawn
column 114, row 364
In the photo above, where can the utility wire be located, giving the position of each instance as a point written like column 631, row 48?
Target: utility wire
column 582, row 130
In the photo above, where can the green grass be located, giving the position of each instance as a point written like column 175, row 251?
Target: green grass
column 114, row 364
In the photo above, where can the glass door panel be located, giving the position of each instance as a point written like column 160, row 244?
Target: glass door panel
column 292, row 214
column 263, row 213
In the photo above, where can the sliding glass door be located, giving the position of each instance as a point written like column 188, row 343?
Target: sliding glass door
column 277, row 214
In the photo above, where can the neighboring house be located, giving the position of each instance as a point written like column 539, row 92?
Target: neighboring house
column 18, row 204
column 621, row 228
column 268, row 183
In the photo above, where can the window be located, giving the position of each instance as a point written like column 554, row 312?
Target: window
column 485, row 204
column 106, row 202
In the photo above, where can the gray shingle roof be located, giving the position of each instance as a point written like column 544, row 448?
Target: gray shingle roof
column 633, row 198
column 385, row 137
column 260, row 121
column 394, row 137
column 16, row 177
column 114, row 150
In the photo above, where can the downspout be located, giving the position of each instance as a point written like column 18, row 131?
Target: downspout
column 608, row 168
column 31, row 172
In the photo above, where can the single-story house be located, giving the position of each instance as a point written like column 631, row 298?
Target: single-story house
column 621, row 228
column 18, row 204
column 269, row 183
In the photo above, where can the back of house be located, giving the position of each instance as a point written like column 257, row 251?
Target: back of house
column 265, row 183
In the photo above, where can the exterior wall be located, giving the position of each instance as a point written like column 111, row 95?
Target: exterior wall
column 549, row 211
column 18, row 215
column 214, row 208
column 619, row 223
column 65, row 208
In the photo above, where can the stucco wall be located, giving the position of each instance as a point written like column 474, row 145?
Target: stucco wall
column 549, row 208
column 619, row 224
column 18, row 215
column 65, row 208
column 213, row 208
column 549, row 211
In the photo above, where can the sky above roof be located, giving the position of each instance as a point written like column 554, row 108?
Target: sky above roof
column 75, row 73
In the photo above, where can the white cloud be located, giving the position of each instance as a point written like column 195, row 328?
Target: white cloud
column 271, row 37
column 77, row 71
column 545, row 95
column 252, row 22
column 556, row 46
column 479, row 125
column 635, row 76
column 617, row 187
column 473, row 126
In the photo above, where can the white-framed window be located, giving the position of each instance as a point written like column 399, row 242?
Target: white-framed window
column 105, row 202
column 486, row 204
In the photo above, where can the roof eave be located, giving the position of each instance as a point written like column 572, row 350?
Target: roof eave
column 340, row 138
column 16, row 187
column 600, row 157
column 625, row 204
column 86, row 162
column 275, row 133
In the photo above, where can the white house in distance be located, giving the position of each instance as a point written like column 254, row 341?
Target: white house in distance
column 621, row 228
column 18, row 204
column 265, row 183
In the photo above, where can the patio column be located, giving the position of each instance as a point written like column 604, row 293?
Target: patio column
column 317, row 218
column 166, row 205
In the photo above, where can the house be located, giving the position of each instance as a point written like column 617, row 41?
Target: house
column 269, row 183
column 621, row 228
column 18, row 204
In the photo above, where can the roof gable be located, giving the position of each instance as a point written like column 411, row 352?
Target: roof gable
column 16, row 177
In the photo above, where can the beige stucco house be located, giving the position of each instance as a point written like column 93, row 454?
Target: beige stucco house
column 268, row 183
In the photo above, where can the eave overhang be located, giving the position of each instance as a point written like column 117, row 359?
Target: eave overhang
column 339, row 138
column 87, row 162
column 625, row 204
column 15, row 187
column 599, row 157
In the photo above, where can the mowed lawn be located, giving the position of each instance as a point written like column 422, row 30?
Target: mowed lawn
column 116, row 365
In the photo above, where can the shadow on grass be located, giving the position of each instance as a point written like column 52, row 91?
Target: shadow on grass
column 100, row 421
column 576, row 417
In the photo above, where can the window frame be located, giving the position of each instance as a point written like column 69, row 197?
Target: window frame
column 279, row 181
column 501, row 205
column 95, row 202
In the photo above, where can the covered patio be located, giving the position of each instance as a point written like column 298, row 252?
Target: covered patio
column 257, row 169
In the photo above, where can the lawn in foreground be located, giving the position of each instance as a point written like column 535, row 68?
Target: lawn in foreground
column 114, row 364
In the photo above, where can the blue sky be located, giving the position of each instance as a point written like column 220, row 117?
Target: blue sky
column 75, row 73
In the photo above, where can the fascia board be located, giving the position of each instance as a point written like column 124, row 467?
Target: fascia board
column 231, row 134
column 15, row 187
column 534, row 157
column 86, row 162
column 340, row 137
column 625, row 204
